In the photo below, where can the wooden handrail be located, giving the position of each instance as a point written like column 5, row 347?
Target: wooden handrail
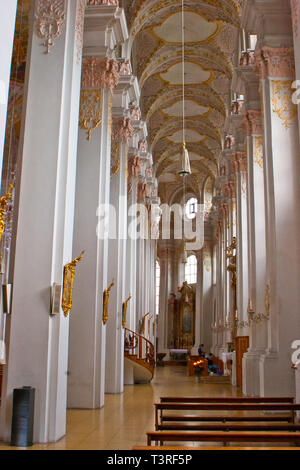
column 138, row 345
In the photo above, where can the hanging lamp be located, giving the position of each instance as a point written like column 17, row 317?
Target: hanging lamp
column 185, row 159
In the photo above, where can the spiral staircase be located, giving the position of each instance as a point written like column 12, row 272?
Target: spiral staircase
column 139, row 355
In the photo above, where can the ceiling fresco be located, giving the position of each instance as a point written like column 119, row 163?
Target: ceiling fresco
column 211, row 34
column 156, row 54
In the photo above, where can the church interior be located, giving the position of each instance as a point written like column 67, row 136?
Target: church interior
column 149, row 224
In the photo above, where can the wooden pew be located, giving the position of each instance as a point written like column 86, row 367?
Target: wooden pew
column 225, row 437
column 288, row 408
column 189, row 449
column 227, row 399
column 229, row 427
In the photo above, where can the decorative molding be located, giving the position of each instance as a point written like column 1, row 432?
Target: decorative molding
column 122, row 130
column 90, row 111
column 100, row 73
column 50, row 19
column 282, row 102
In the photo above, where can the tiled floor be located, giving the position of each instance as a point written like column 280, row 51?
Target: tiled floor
column 124, row 420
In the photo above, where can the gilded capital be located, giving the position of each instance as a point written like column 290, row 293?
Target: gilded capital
column 275, row 62
column 99, row 73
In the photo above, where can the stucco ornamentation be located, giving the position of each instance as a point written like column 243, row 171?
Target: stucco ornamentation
column 50, row 18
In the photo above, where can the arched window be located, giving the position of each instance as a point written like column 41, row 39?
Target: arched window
column 157, row 286
column 191, row 270
column 191, row 208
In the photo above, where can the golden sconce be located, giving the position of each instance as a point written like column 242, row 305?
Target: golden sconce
column 124, row 311
column 231, row 255
column 106, row 295
column 143, row 323
column 149, row 326
column 3, row 208
column 69, row 274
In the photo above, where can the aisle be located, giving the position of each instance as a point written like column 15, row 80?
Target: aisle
column 124, row 420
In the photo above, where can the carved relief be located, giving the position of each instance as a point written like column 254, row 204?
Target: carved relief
column 90, row 111
column 135, row 113
column 282, row 102
column 100, row 73
column 142, row 192
column 134, row 166
column 125, row 68
column 280, row 62
column 252, row 123
column 50, row 18
column 122, row 129
column 143, row 146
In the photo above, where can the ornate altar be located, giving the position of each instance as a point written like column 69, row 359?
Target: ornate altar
column 182, row 318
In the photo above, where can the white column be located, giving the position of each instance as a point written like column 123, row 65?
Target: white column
column 7, row 30
column 131, row 256
column 140, row 282
column 114, row 380
column 199, row 304
column 164, row 255
column 86, row 383
column 207, row 300
column 257, row 251
column 242, row 243
column 276, row 67
column 38, row 343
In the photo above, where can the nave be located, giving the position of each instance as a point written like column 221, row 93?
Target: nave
column 126, row 418
column 149, row 210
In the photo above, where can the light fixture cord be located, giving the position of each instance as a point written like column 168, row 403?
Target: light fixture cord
column 183, row 74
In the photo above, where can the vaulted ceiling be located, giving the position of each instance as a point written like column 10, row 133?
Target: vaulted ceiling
column 211, row 43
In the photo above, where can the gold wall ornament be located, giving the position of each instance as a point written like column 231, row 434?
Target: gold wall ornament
column 3, row 208
column 115, row 159
column 282, row 101
column 50, row 18
column 258, row 151
column 90, row 111
column 106, row 295
column 149, row 326
column 124, row 311
column 143, row 323
column 69, row 274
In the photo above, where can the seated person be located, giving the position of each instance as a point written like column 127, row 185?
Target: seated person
column 201, row 350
